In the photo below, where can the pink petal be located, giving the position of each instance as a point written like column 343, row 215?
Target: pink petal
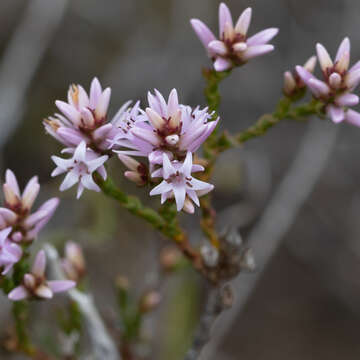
column 218, row 47
column 69, row 111
column 187, row 165
column 10, row 179
column 352, row 117
column 43, row 292
column 163, row 187
column 35, row 218
column 103, row 104
column 343, row 48
column 179, row 193
column 61, row 285
column 146, row 135
column 8, row 215
column 335, row 113
column 203, row 32
column 88, row 182
column 257, row 50
column 38, row 268
column 262, row 37
column 243, row 22
column 80, row 152
column 19, row 293
column 173, row 103
column 222, row 64
column 70, row 180
column 70, row 136
column 30, row 193
column 347, row 100
column 224, row 17
column 95, row 93
column 324, row 57
column 318, row 87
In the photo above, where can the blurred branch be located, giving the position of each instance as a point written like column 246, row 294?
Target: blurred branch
column 103, row 345
column 22, row 57
column 278, row 217
column 218, row 300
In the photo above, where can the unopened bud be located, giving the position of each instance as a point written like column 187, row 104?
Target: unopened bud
column 188, row 206
column 129, row 162
column 149, row 301
column 310, row 64
column 172, row 139
column 74, row 254
column 289, row 83
column 169, row 258
column 175, row 120
column 11, row 198
column 135, row 177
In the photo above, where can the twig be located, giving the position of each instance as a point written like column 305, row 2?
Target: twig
column 102, row 343
column 218, row 300
column 279, row 216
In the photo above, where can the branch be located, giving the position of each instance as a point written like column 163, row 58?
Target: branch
column 102, row 343
column 278, row 217
column 218, row 300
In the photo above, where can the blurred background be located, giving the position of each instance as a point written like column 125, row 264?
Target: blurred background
column 294, row 193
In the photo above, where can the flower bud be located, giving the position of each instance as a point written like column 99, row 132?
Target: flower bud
column 149, row 301
column 74, row 262
column 169, row 258
column 289, row 83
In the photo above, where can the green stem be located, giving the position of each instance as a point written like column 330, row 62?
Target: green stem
column 212, row 94
column 135, row 206
column 20, row 311
column 284, row 111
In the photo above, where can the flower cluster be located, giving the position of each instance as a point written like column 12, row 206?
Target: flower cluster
column 19, row 228
column 168, row 134
column 162, row 128
column 335, row 90
column 234, row 47
column 36, row 285
column 293, row 82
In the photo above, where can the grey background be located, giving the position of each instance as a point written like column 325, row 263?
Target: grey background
column 306, row 303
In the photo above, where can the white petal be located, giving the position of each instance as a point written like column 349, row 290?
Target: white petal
column 71, row 179
column 163, row 187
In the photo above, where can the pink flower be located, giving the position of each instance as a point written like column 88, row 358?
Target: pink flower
column 233, row 47
column 179, row 183
column 35, row 284
column 335, row 90
column 10, row 253
column 137, row 173
column 16, row 211
column 293, row 82
column 167, row 127
column 83, row 118
column 74, row 262
column 79, row 169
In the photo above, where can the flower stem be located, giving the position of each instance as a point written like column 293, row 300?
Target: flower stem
column 213, row 99
column 165, row 221
column 20, row 311
column 135, row 206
